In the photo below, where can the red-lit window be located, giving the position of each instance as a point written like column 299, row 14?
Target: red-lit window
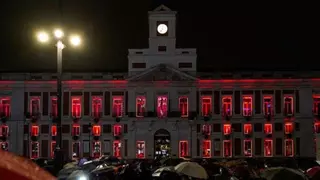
column 35, row 105
column 5, row 107
column 316, row 105
column 206, row 103
column 96, row 107
column 288, row 105
column 117, row 106
column 34, row 154
column 4, row 130
column 54, row 107
column 247, row 106
column 268, row 128
column 96, row 149
column 141, row 149
column 268, row 147
column 52, row 148
column 247, row 147
column 75, row 130
column 183, row 149
column 53, row 130
column 76, row 107
column 4, row 146
column 140, row 106
column 96, row 130
column 76, row 149
column 227, row 106
column 206, row 149
column 317, row 127
column 184, row 106
column 267, row 105
column 227, row 129
column 288, row 128
column 289, row 148
column 117, row 130
column 162, row 106
column 206, row 129
column 34, row 130
column 117, row 149
column 247, row 128
column 227, row 148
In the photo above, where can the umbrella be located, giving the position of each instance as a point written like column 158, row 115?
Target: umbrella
column 16, row 167
column 78, row 174
column 158, row 172
column 314, row 173
column 191, row 169
column 282, row 173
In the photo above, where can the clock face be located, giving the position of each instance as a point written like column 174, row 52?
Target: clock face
column 162, row 28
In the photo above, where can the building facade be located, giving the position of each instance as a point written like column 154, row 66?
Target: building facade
column 162, row 106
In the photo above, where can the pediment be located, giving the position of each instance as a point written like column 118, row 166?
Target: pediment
column 162, row 8
column 162, row 73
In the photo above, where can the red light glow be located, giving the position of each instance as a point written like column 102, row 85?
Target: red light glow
column 184, row 106
column 206, row 103
column 227, row 106
column 141, row 149
column 5, row 106
column 117, row 149
column 316, row 104
column 206, row 149
column 288, row 128
column 34, row 153
column 4, row 130
column 76, row 107
column 34, row 130
column 247, row 106
column 75, row 130
column 267, row 105
column 140, row 106
column 268, row 148
column 227, row 148
column 247, row 128
column 96, row 149
column 117, row 106
column 247, row 147
column 288, row 105
column 35, row 105
column 76, row 148
column 96, row 130
column 317, row 127
column 183, row 149
column 289, row 148
column 268, row 128
column 53, row 130
column 117, row 129
column 54, row 107
column 52, row 148
column 227, row 129
column 162, row 106
column 96, row 107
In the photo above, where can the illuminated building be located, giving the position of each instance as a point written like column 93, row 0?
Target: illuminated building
column 162, row 105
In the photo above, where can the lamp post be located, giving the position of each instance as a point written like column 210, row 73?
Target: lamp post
column 44, row 37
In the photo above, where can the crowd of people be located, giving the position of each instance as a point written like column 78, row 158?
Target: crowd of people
column 112, row 168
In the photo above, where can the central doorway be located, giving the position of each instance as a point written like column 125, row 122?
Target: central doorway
column 162, row 143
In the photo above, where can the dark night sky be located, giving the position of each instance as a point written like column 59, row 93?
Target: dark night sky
column 227, row 36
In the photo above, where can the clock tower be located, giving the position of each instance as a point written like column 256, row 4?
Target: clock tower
column 162, row 30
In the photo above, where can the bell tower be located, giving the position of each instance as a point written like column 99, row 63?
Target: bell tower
column 162, row 30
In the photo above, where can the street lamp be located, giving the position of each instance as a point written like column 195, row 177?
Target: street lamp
column 44, row 37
